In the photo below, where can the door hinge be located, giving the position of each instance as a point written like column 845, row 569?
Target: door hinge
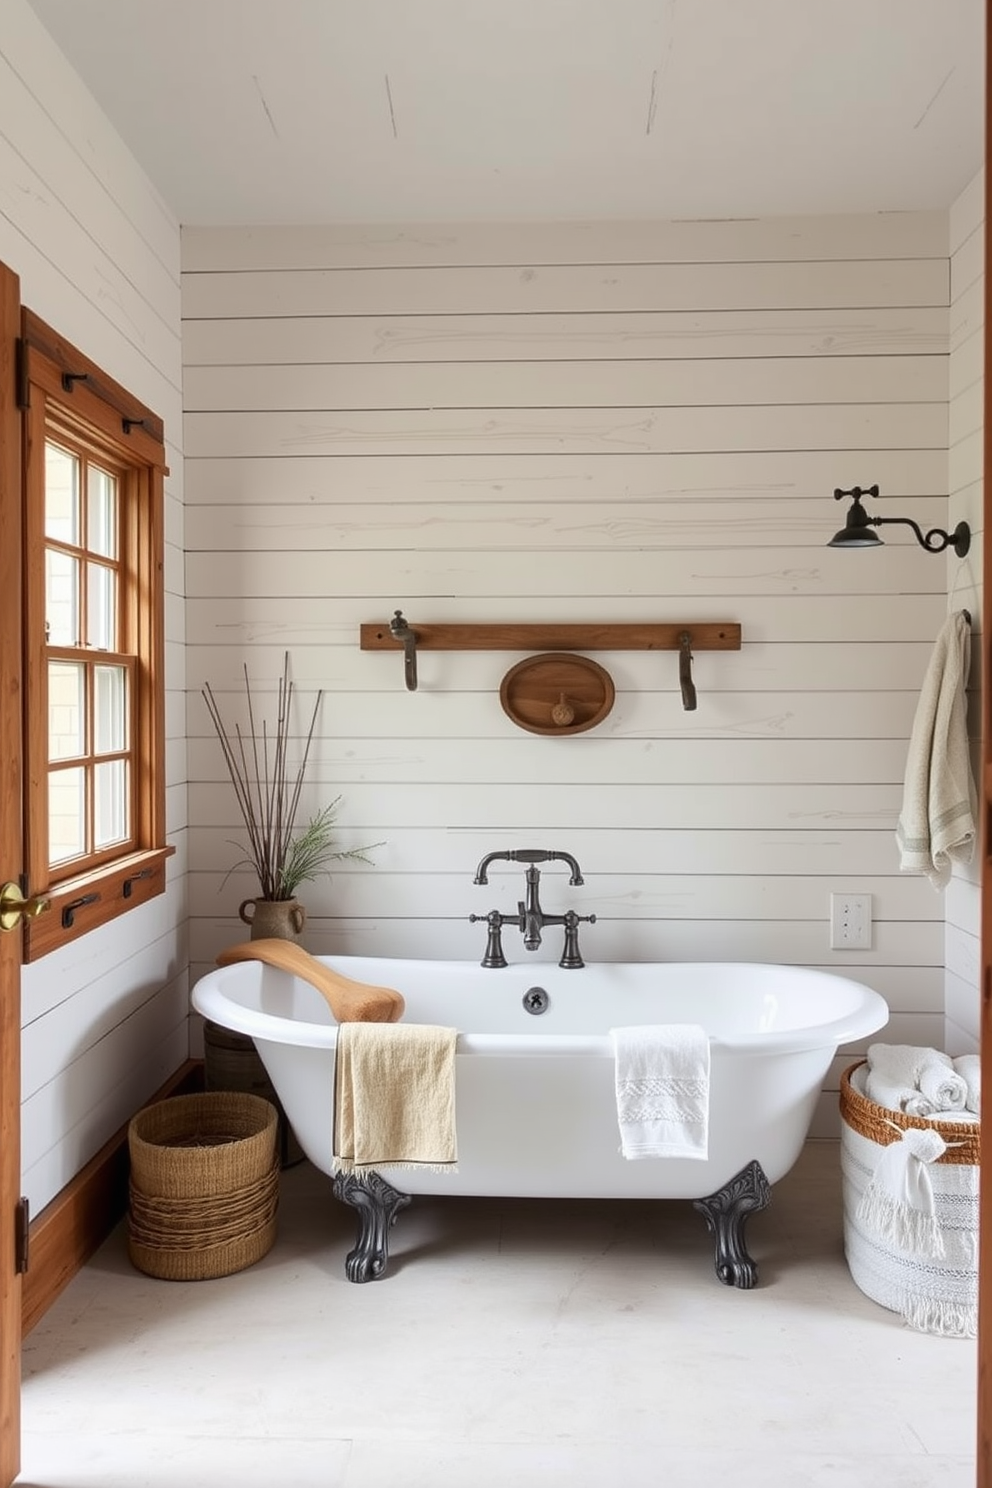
column 23, row 380
column 22, row 1223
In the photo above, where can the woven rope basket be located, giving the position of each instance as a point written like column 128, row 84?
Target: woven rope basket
column 932, row 1295
column 204, row 1185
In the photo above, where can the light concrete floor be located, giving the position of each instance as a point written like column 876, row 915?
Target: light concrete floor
column 512, row 1344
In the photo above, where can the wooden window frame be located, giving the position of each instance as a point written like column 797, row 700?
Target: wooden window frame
column 60, row 389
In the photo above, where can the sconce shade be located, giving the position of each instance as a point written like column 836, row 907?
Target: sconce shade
column 857, row 529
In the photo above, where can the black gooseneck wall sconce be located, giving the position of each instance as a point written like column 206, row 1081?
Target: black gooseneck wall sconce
column 857, row 530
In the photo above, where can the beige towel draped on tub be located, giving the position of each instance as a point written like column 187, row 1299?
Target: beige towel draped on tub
column 394, row 1097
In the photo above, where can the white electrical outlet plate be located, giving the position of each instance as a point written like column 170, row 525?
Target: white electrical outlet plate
column 850, row 922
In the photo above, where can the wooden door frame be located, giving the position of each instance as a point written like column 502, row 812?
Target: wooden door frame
column 11, row 849
column 984, row 1443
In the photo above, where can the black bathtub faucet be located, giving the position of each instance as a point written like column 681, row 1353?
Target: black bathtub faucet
column 530, row 918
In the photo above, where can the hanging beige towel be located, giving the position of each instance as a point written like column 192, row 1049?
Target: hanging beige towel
column 394, row 1097
column 936, row 826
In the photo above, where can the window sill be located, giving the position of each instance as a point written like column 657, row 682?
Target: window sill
column 92, row 899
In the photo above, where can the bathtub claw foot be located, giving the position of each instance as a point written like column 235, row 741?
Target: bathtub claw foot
column 377, row 1204
column 725, row 1213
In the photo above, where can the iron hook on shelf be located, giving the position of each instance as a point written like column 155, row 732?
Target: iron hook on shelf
column 685, row 672
column 400, row 631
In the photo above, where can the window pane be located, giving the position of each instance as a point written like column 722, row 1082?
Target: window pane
column 66, row 710
column 110, row 709
column 61, row 598
column 101, row 604
column 110, row 814
column 61, row 495
column 102, row 517
column 66, row 815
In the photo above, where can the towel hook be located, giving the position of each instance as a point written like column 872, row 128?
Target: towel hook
column 685, row 672
column 401, row 631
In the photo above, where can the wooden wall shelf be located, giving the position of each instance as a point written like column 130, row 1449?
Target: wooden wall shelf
column 703, row 636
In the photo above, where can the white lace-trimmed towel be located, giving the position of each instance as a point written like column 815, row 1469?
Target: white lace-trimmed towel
column 936, row 826
column 968, row 1066
column 897, row 1206
column 663, row 1089
column 394, row 1097
column 918, row 1081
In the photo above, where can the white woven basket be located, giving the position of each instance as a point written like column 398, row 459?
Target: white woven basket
column 933, row 1295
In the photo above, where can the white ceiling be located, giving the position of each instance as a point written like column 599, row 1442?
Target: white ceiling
column 251, row 111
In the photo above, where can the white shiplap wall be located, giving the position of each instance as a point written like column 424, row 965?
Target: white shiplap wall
column 105, row 1021
column 966, row 389
column 593, row 422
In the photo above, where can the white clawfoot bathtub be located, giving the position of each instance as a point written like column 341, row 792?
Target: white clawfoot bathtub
column 535, row 1093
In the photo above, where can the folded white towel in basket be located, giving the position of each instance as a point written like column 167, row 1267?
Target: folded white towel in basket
column 943, row 1087
column 969, row 1067
column 918, row 1081
column 937, row 821
column 663, row 1089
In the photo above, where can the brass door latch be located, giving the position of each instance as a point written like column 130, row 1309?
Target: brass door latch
column 14, row 907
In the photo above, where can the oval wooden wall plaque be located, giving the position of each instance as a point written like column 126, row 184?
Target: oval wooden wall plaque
column 557, row 693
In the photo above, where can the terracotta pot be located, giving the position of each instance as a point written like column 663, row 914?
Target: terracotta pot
column 273, row 919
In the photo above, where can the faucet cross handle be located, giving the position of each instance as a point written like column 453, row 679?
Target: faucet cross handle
column 494, row 943
column 571, row 956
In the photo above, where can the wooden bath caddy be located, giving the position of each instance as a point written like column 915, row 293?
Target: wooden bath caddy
column 557, row 692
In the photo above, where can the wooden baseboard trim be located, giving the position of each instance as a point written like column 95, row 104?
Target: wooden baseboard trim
column 78, row 1220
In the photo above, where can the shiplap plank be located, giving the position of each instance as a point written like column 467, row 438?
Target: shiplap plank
column 690, row 761
column 536, row 431
column 274, row 479
column 347, row 245
column 649, row 713
column 967, row 366
column 890, row 667
column 968, row 262
column 967, row 314
column 340, row 526
column 966, row 212
column 157, row 1054
column 739, row 381
column 56, row 1039
column 787, row 942
column 69, row 1096
column 99, row 154
column 111, row 297
column 290, row 620
column 962, row 954
column 544, row 806
column 634, row 895
column 966, row 412
column 966, row 460
column 962, row 904
column 677, row 334
column 962, row 1006
column 844, row 285
column 801, row 851
column 721, row 575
